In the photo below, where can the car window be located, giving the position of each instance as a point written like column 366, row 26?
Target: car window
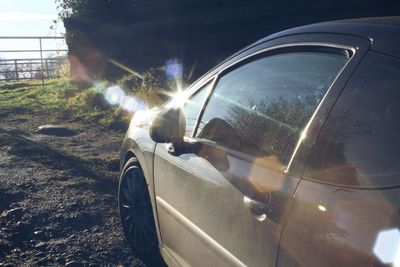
column 359, row 146
column 192, row 107
column 261, row 107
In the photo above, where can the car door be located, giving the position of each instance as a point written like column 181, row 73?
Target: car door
column 348, row 200
column 224, row 203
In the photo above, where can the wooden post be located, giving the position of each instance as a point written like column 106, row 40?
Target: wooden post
column 16, row 69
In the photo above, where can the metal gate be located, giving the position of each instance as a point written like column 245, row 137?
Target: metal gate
column 39, row 67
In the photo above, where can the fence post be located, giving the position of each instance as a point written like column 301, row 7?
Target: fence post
column 41, row 61
column 47, row 68
column 16, row 70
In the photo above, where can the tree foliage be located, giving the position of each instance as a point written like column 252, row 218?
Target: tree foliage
column 69, row 8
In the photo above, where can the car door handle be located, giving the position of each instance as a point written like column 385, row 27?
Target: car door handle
column 260, row 210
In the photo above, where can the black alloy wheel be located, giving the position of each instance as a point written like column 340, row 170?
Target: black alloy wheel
column 136, row 214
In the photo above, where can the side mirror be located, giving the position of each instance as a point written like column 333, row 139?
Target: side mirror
column 168, row 126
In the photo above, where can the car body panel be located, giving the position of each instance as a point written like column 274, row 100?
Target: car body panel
column 336, row 226
column 214, row 204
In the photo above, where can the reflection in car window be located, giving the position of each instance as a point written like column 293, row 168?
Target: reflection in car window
column 193, row 106
column 359, row 146
column 261, row 107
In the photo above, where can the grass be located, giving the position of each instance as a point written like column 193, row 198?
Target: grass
column 17, row 97
column 66, row 99
column 61, row 98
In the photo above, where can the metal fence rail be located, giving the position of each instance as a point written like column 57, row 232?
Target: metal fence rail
column 40, row 67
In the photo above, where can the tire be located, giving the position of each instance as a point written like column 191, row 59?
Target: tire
column 136, row 214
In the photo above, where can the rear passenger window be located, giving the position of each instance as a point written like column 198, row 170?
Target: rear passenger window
column 360, row 144
column 261, row 107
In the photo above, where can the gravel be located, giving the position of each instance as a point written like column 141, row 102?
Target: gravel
column 58, row 195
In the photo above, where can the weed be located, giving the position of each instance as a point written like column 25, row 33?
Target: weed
column 131, row 82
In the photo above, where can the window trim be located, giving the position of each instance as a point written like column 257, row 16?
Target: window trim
column 271, row 50
column 288, row 48
column 193, row 91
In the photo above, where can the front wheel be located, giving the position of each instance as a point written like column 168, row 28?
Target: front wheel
column 136, row 214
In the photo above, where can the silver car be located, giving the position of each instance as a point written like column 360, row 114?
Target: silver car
column 286, row 154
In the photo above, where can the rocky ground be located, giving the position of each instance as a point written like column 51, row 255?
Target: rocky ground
column 58, row 195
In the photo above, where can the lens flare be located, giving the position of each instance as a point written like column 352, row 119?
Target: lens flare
column 180, row 99
column 321, row 208
column 173, row 69
column 114, row 95
column 132, row 104
column 387, row 246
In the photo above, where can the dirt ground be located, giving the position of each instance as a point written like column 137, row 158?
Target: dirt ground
column 58, row 195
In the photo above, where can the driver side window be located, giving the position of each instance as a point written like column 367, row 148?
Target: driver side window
column 260, row 108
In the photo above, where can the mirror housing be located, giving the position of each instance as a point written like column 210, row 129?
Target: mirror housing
column 168, row 126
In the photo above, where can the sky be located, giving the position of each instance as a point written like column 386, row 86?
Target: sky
column 28, row 18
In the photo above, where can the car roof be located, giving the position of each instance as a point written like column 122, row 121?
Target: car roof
column 383, row 32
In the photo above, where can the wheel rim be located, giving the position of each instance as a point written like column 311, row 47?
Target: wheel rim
column 136, row 212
